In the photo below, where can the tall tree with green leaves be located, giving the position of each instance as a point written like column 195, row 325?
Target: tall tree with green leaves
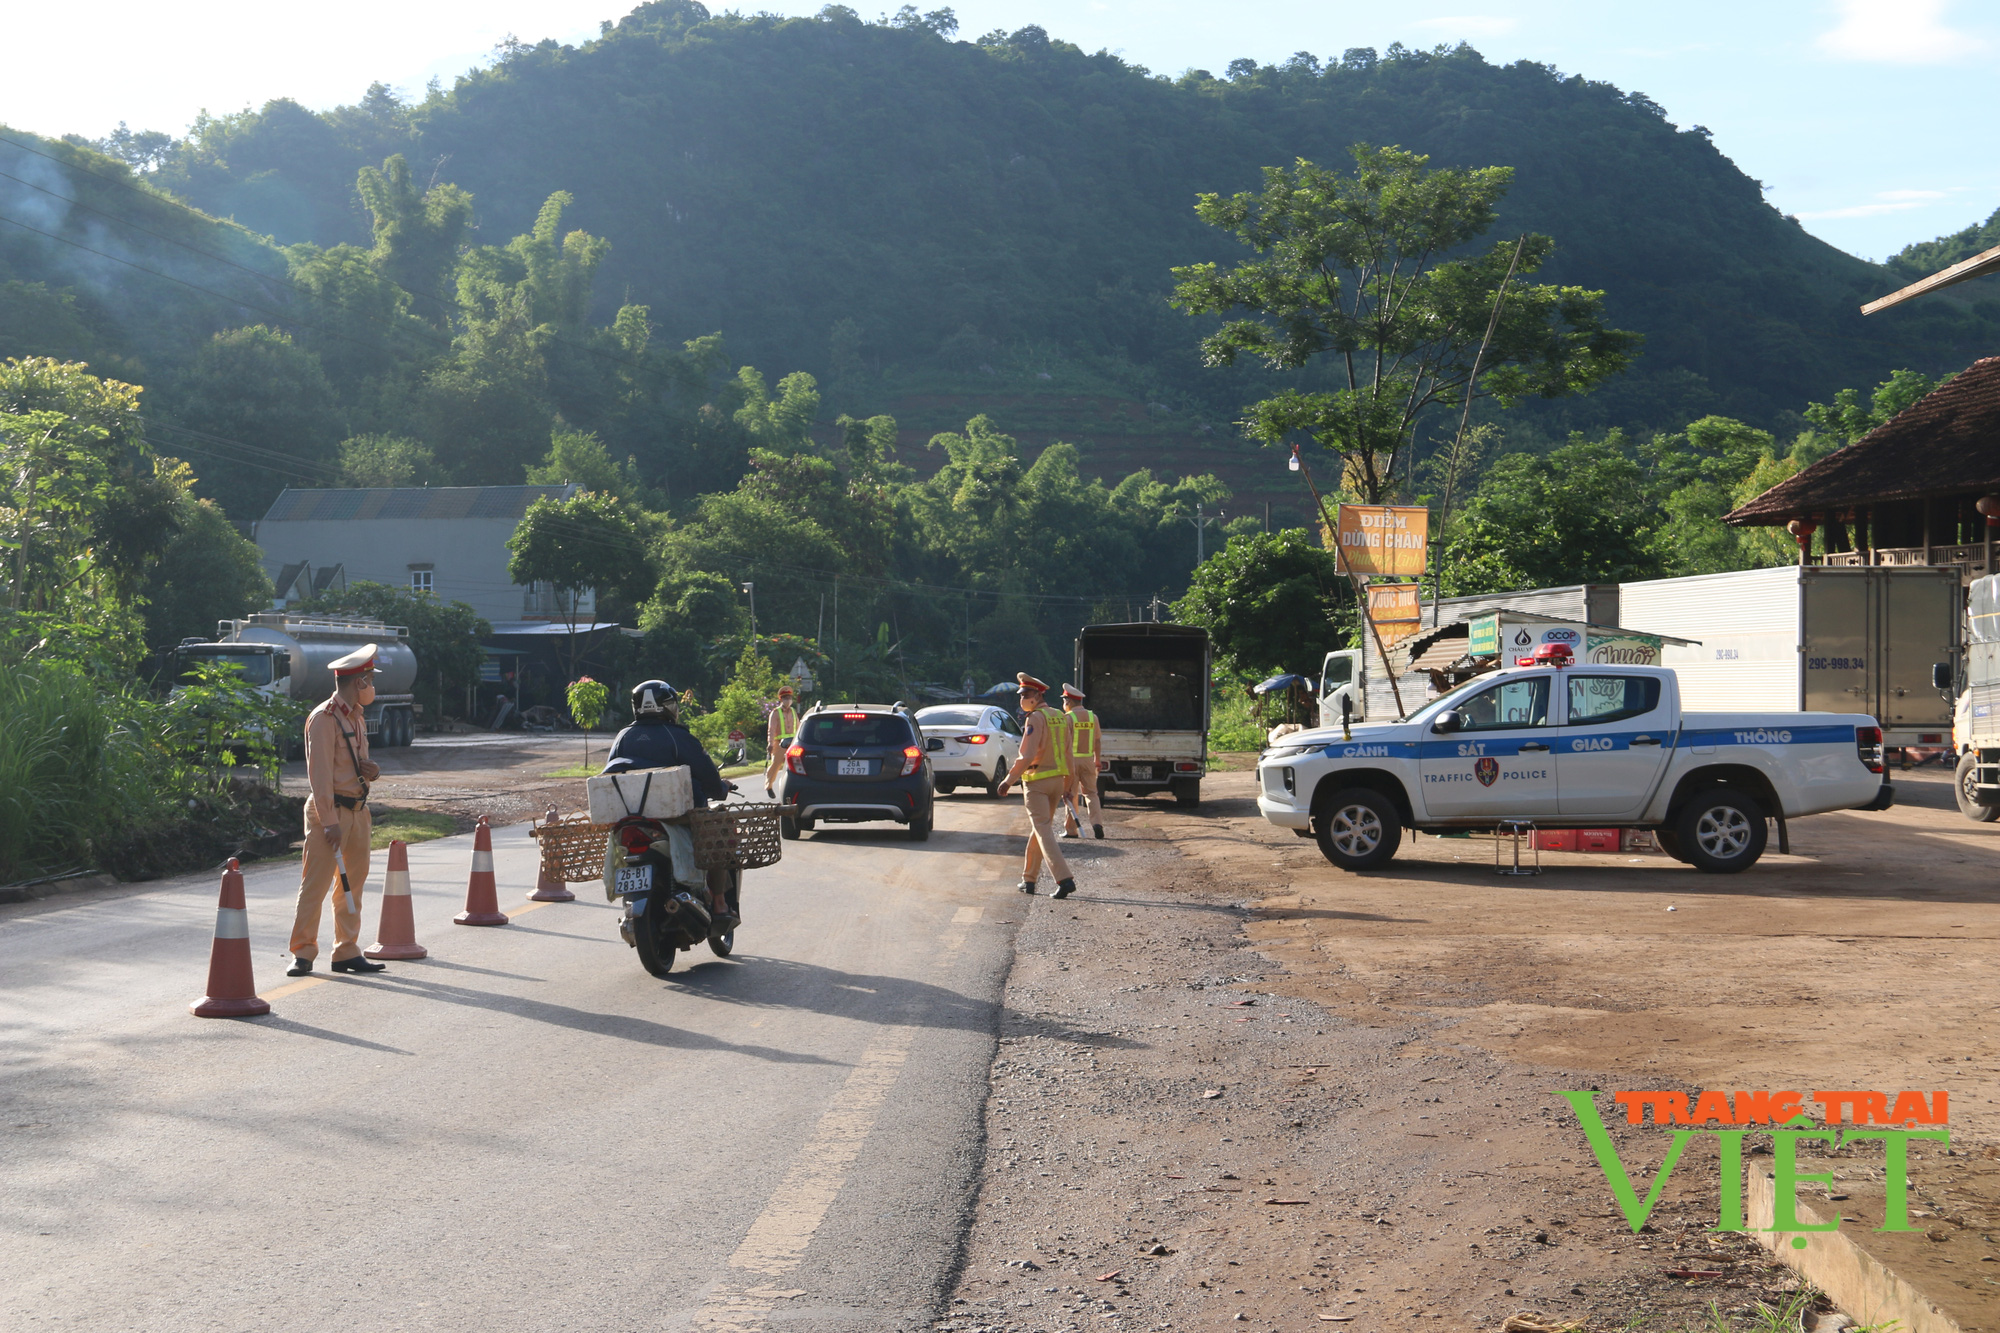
column 587, row 542
column 418, row 233
column 1370, row 273
column 1270, row 602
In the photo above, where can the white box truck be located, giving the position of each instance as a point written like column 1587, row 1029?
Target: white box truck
column 1810, row 637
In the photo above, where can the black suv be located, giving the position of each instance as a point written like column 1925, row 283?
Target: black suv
column 853, row 764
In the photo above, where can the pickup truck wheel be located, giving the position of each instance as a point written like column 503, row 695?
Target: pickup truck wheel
column 1720, row 831
column 1970, row 802
column 1669, row 844
column 1358, row 829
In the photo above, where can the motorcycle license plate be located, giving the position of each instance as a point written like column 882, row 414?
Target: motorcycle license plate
column 851, row 768
column 1142, row 772
column 634, row 879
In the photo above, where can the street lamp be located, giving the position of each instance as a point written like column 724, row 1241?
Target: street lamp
column 751, row 589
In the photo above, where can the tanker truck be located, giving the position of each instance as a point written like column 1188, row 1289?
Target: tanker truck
column 287, row 655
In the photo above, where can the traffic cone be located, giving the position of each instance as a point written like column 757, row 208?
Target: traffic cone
column 232, row 992
column 396, row 930
column 482, row 901
column 549, row 887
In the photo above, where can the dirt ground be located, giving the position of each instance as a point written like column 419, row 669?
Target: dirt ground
column 1240, row 1087
column 501, row 775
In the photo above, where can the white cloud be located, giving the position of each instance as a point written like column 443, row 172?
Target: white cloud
column 1886, row 201
column 1898, row 32
column 1471, row 25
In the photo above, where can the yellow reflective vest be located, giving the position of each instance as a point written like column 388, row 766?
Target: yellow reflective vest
column 1056, row 765
column 1083, row 734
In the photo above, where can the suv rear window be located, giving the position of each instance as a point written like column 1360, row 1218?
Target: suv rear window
column 851, row 730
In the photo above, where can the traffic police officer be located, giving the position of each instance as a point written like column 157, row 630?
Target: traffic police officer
column 338, row 824
column 1043, row 772
column 778, row 733
column 1086, row 742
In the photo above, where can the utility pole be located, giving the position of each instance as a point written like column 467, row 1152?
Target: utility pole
column 1201, row 523
column 751, row 589
column 1154, row 606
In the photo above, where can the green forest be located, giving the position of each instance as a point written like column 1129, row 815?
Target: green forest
column 947, row 346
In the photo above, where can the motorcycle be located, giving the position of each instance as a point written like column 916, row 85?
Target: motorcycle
column 669, row 910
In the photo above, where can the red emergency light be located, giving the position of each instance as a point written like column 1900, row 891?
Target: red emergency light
column 1549, row 654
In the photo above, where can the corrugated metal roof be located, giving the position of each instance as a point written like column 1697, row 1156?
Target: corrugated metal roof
column 420, row 502
column 1946, row 443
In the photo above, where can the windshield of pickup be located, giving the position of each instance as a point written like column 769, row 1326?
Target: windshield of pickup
column 1451, row 700
column 254, row 667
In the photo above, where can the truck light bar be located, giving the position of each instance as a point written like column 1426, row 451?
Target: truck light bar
column 1549, row 654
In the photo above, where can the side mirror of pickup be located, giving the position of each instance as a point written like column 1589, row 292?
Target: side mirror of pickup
column 1941, row 675
column 1448, row 721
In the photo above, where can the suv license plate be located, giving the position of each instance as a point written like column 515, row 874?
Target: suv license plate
column 851, row 768
column 634, row 879
column 1142, row 772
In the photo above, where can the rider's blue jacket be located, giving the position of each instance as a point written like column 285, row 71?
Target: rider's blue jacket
column 666, row 745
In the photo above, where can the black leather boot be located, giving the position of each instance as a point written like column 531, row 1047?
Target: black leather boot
column 1065, row 887
column 358, row 964
column 300, row 967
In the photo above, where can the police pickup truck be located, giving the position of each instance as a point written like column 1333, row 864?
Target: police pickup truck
column 1572, row 747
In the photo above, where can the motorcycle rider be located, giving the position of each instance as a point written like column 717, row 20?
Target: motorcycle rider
column 656, row 739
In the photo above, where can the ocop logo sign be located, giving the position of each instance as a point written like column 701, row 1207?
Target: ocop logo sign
column 1783, row 1115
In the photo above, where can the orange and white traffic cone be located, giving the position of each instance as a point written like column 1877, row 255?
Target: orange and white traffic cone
column 232, row 992
column 549, row 886
column 482, row 898
column 396, row 930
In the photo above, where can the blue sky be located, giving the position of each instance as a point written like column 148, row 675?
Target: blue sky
column 1864, row 117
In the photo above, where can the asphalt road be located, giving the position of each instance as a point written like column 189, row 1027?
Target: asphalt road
column 524, row 1131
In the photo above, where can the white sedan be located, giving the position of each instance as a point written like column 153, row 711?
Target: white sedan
column 970, row 745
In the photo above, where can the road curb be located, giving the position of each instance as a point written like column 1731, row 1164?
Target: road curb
column 49, row 888
column 1860, row 1284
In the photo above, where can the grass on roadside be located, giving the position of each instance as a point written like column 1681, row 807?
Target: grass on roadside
column 410, row 826
column 1765, row 1318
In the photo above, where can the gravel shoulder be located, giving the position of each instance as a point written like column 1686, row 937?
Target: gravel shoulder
column 1235, row 1086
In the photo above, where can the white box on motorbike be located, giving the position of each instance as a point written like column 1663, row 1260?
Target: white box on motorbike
column 656, row 793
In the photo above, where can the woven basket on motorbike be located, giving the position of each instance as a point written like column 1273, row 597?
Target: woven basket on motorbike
column 739, row 837
column 572, row 848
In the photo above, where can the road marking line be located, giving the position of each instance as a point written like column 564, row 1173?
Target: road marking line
column 524, row 908
column 776, row 1242
column 294, row 987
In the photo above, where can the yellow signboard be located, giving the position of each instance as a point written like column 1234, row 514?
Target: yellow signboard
column 1394, row 609
column 1382, row 539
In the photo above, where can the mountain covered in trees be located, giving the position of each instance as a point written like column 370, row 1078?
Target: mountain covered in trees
column 736, row 271
column 905, row 215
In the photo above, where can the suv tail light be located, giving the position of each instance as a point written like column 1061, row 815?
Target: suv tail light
column 1868, row 745
column 912, row 756
column 795, row 760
